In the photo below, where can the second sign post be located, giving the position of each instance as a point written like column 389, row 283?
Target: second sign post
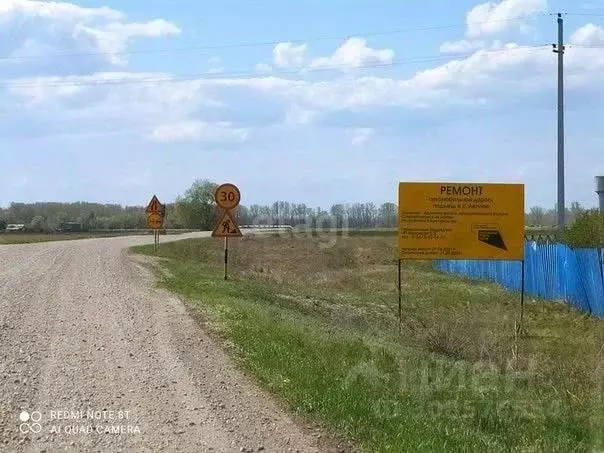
column 156, row 213
column 227, row 197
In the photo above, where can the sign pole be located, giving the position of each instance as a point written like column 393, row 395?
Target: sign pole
column 226, row 257
column 521, row 297
column 156, row 213
column 400, row 297
column 227, row 197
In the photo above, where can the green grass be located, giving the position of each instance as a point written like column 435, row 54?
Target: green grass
column 314, row 321
column 28, row 238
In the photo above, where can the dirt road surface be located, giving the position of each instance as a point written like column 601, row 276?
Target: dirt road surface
column 94, row 358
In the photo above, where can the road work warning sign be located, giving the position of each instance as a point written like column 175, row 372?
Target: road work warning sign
column 461, row 221
column 226, row 227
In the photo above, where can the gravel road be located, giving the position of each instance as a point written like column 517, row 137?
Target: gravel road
column 94, row 358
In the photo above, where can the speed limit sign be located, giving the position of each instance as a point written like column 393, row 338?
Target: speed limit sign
column 227, row 196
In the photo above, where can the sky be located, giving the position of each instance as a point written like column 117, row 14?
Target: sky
column 315, row 101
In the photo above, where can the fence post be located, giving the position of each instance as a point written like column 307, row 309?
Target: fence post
column 601, row 262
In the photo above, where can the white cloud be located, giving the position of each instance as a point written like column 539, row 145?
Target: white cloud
column 495, row 17
column 263, row 67
column 485, row 76
column 56, row 10
column 106, row 103
column 114, row 38
column 200, row 131
column 588, row 35
column 296, row 116
column 289, row 55
column 461, row 46
column 52, row 89
column 361, row 135
column 354, row 53
column 464, row 80
column 215, row 64
column 62, row 27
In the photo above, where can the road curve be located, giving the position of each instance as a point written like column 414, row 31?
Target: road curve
column 93, row 357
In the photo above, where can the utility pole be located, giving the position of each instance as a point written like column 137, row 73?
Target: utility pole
column 559, row 49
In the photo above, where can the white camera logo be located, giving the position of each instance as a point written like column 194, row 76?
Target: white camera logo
column 33, row 427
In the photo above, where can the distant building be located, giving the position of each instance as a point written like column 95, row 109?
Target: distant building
column 15, row 227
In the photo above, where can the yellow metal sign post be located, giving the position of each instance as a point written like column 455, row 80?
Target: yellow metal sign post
column 439, row 220
column 156, row 212
column 227, row 197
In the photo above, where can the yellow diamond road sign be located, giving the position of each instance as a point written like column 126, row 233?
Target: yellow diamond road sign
column 226, row 227
column 155, row 221
column 461, row 221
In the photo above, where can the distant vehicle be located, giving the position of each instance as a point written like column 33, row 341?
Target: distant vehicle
column 13, row 227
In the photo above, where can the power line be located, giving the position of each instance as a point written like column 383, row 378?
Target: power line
column 257, row 43
column 244, row 74
column 587, row 46
column 585, row 14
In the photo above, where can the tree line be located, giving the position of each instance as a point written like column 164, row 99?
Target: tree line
column 538, row 216
column 195, row 209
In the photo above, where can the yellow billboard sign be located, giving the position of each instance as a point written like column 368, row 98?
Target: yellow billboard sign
column 461, row 221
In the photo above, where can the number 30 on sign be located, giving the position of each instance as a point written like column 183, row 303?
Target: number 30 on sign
column 227, row 196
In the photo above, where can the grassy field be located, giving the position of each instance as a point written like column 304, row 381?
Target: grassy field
column 27, row 238
column 314, row 320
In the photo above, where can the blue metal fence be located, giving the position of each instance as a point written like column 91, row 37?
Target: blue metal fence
column 552, row 272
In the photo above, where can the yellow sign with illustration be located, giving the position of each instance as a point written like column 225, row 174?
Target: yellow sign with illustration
column 461, row 221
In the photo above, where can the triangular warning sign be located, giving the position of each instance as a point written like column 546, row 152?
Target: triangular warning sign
column 492, row 237
column 226, row 227
column 154, row 206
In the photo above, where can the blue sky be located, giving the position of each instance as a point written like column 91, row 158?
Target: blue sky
column 317, row 102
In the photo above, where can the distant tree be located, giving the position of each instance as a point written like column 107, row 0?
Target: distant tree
column 388, row 215
column 37, row 224
column 3, row 224
column 587, row 231
column 253, row 213
column 115, row 223
column 339, row 212
column 243, row 215
column 59, row 218
column 89, row 222
column 575, row 211
column 537, row 216
column 300, row 213
column 101, row 223
column 196, row 209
